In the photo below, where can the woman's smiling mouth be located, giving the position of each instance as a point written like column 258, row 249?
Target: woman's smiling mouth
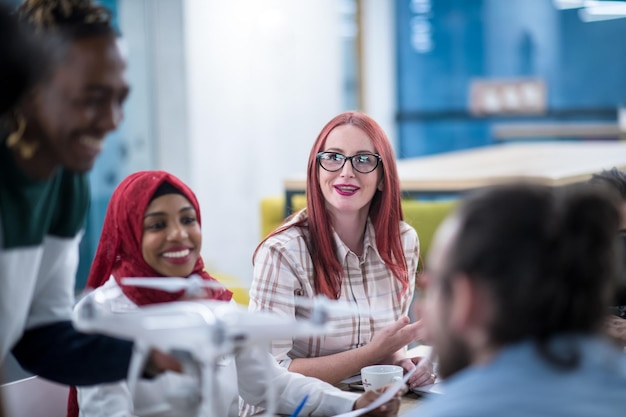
column 346, row 190
column 179, row 256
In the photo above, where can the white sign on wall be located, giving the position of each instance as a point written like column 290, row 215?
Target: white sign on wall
column 507, row 96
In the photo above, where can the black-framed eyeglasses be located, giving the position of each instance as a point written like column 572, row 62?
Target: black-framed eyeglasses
column 363, row 162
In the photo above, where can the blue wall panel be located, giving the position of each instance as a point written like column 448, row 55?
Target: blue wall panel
column 439, row 49
column 592, row 63
column 443, row 44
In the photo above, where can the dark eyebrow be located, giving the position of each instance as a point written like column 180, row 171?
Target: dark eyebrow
column 95, row 88
column 102, row 89
column 162, row 213
column 188, row 208
column 154, row 214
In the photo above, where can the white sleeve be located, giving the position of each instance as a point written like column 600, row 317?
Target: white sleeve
column 105, row 400
column 257, row 370
column 54, row 290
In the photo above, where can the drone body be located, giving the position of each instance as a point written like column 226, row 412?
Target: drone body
column 207, row 331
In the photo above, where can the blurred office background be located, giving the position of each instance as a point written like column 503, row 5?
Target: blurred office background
column 230, row 95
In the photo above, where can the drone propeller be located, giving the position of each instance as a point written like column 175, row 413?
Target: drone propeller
column 337, row 307
column 322, row 308
column 193, row 285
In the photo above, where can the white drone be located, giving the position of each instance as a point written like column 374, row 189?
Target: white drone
column 321, row 307
column 206, row 330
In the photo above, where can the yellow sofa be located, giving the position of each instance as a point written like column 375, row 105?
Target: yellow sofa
column 424, row 216
column 240, row 292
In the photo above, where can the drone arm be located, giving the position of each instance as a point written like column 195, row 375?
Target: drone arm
column 137, row 363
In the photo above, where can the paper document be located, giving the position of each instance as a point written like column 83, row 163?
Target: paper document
column 352, row 379
column 386, row 396
column 435, row 388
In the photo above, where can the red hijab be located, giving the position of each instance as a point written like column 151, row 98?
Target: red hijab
column 119, row 251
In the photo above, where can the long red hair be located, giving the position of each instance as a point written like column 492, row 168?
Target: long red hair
column 385, row 211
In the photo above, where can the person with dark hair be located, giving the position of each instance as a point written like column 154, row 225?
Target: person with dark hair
column 349, row 244
column 18, row 66
column 153, row 229
column 20, row 60
column 518, row 283
column 56, row 130
column 614, row 181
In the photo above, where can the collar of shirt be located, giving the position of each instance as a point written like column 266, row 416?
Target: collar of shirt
column 369, row 244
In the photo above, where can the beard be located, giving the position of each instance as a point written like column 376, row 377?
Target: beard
column 454, row 356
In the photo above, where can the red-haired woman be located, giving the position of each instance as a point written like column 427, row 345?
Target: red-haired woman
column 349, row 244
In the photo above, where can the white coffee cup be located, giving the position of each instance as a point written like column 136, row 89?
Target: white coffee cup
column 377, row 376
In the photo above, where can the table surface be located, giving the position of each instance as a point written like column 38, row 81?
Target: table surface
column 551, row 163
column 408, row 402
column 410, row 399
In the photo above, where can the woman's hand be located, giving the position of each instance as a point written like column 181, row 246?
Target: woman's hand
column 159, row 362
column 388, row 409
column 615, row 327
column 424, row 375
column 395, row 337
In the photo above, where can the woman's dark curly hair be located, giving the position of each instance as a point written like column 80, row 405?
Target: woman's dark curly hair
column 73, row 18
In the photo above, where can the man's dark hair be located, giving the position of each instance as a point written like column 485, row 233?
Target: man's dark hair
column 613, row 179
column 549, row 258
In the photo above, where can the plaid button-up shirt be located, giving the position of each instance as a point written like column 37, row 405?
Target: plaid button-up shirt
column 283, row 270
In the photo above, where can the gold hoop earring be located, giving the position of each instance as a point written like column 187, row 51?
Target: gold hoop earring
column 15, row 137
column 15, row 140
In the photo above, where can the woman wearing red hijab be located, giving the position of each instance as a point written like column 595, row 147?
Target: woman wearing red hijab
column 152, row 229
